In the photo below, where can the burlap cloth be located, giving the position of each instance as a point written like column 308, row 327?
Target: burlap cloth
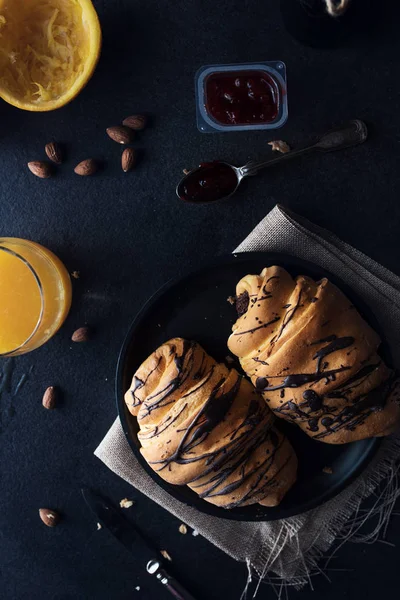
column 292, row 548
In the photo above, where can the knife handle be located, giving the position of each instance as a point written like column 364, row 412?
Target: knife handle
column 172, row 585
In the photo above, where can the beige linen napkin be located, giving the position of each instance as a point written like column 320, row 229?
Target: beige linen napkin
column 292, row 548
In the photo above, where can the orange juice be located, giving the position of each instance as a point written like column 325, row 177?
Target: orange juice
column 35, row 295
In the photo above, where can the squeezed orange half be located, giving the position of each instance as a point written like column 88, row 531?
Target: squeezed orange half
column 48, row 51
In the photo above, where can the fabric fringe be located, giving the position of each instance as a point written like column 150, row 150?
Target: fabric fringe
column 381, row 484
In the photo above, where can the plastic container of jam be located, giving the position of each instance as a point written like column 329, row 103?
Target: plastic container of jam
column 241, row 97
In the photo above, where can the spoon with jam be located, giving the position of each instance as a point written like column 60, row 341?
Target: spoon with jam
column 219, row 180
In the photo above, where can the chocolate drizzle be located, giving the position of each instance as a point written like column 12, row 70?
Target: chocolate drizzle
column 335, row 345
column 241, row 465
column 287, row 318
column 259, row 327
column 335, row 391
column 313, row 400
column 157, row 399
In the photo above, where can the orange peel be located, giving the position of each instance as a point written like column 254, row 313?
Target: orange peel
column 48, row 51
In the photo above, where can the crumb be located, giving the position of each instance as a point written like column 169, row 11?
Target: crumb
column 166, row 555
column 99, row 526
column 125, row 503
column 231, row 300
column 195, row 533
column 327, row 470
column 229, row 359
column 186, row 171
column 182, row 529
column 137, row 588
column 75, row 274
column 279, row 146
column 158, row 324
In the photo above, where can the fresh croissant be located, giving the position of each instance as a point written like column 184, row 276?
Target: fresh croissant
column 204, row 425
column 313, row 357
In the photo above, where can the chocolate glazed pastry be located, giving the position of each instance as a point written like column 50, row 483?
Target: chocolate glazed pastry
column 204, row 425
column 313, row 357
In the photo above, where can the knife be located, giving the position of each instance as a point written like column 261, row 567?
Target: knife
column 128, row 535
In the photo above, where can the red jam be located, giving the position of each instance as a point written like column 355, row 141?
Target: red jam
column 212, row 181
column 242, row 98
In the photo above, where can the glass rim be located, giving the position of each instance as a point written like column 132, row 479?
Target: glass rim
column 4, row 248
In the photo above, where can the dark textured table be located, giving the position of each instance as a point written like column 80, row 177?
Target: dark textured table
column 127, row 234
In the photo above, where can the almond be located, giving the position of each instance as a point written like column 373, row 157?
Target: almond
column 120, row 134
column 49, row 517
column 128, row 159
column 53, row 152
column 86, row 167
column 50, row 397
column 135, row 122
column 279, row 146
column 40, row 169
column 81, row 335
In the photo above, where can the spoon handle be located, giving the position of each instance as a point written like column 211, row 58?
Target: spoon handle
column 353, row 133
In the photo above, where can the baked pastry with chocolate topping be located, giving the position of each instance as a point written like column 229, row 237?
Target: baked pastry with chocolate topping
column 204, row 425
column 313, row 357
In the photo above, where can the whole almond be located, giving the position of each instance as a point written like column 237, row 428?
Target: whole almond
column 53, row 152
column 81, row 335
column 120, row 134
column 136, row 122
column 49, row 517
column 40, row 169
column 86, row 167
column 50, row 397
column 128, row 159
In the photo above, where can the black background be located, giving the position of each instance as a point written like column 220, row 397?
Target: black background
column 128, row 234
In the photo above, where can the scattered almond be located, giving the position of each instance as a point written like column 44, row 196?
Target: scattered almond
column 166, row 555
column 81, row 335
column 49, row 517
column 40, row 169
column 99, row 526
column 231, row 300
column 135, row 122
column 86, row 167
column 279, row 146
column 120, row 134
column 182, row 529
column 327, row 470
column 128, row 159
column 53, row 152
column 75, row 274
column 125, row 503
column 49, row 398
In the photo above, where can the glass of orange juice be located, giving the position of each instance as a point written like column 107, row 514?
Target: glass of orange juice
column 35, row 295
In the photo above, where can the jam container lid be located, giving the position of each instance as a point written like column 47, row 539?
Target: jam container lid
column 207, row 123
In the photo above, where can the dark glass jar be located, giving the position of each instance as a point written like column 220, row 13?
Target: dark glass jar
column 309, row 22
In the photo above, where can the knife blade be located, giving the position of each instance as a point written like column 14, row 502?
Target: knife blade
column 131, row 537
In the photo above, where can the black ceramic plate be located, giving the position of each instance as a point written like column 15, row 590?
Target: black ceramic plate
column 195, row 307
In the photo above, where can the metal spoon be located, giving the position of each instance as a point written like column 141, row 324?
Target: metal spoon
column 220, row 180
